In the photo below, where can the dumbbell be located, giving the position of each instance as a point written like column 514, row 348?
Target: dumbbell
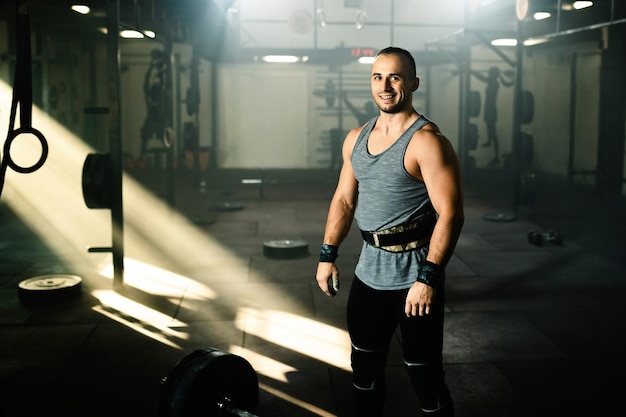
column 549, row 236
column 209, row 383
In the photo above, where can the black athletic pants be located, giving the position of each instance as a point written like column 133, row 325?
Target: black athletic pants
column 373, row 317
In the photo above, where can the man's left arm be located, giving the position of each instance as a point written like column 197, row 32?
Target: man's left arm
column 438, row 167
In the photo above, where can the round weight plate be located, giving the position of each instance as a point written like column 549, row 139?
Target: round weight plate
column 500, row 217
column 48, row 288
column 96, row 181
column 227, row 206
column 205, row 378
column 203, row 220
column 285, row 249
column 537, row 239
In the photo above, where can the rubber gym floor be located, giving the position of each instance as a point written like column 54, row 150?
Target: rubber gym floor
column 531, row 330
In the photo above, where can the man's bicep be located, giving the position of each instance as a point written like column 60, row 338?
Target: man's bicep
column 440, row 171
column 346, row 190
column 347, row 185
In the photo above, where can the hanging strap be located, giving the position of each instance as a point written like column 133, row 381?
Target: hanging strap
column 22, row 95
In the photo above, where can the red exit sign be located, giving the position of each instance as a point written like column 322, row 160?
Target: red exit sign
column 360, row 52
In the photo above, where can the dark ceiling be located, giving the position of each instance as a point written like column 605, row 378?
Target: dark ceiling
column 182, row 16
column 189, row 20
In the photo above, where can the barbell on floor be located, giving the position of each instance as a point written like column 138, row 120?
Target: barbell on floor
column 209, row 383
column 231, row 410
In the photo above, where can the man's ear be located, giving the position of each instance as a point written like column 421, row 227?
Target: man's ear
column 416, row 83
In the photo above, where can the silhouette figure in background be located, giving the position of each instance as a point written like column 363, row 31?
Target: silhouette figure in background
column 154, row 95
column 490, row 111
column 362, row 116
column 336, row 135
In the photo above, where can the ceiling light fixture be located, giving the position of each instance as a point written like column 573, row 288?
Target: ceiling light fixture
column 131, row 34
column 541, row 15
column 282, row 59
column 535, row 41
column 504, row 42
column 81, row 8
column 366, row 60
column 582, row 4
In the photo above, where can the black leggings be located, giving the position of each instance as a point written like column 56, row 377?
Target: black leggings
column 373, row 317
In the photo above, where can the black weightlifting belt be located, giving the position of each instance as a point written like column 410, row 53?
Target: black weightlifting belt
column 403, row 237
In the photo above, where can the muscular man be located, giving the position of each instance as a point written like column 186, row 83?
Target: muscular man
column 400, row 180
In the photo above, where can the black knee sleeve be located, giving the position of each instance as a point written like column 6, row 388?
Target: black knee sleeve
column 368, row 368
column 429, row 385
column 368, row 373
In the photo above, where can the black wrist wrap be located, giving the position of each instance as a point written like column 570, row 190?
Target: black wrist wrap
column 328, row 253
column 430, row 274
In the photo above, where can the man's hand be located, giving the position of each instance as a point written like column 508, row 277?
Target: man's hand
column 419, row 300
column 327, row 274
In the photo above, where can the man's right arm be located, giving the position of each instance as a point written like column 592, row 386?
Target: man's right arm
column 340, row 213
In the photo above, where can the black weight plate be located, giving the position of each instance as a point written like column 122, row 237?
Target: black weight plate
column 96, row 181
column 203, row 220
column 227, row 206
column 500, row 217
column 205, row 377
column 46, row 289
column 285, row 248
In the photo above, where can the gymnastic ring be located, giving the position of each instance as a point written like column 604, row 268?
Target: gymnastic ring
column 44, row 150
column 169, row 136
column 360, row 19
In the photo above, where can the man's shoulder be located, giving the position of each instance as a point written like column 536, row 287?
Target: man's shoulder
column 352, row 136
column 428, row 137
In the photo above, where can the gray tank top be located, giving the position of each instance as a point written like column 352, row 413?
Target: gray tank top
column 388, row 196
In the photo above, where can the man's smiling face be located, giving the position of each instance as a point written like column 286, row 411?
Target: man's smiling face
column 392, row 84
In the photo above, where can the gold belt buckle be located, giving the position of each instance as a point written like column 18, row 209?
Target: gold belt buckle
column 376, row 241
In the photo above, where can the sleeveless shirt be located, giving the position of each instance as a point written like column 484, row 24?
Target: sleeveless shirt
column 388, row 196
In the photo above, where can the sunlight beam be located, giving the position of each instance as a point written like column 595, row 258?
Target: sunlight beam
column 140, row 318
column 293, row 400
column 166, row 256
column 308, row 337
